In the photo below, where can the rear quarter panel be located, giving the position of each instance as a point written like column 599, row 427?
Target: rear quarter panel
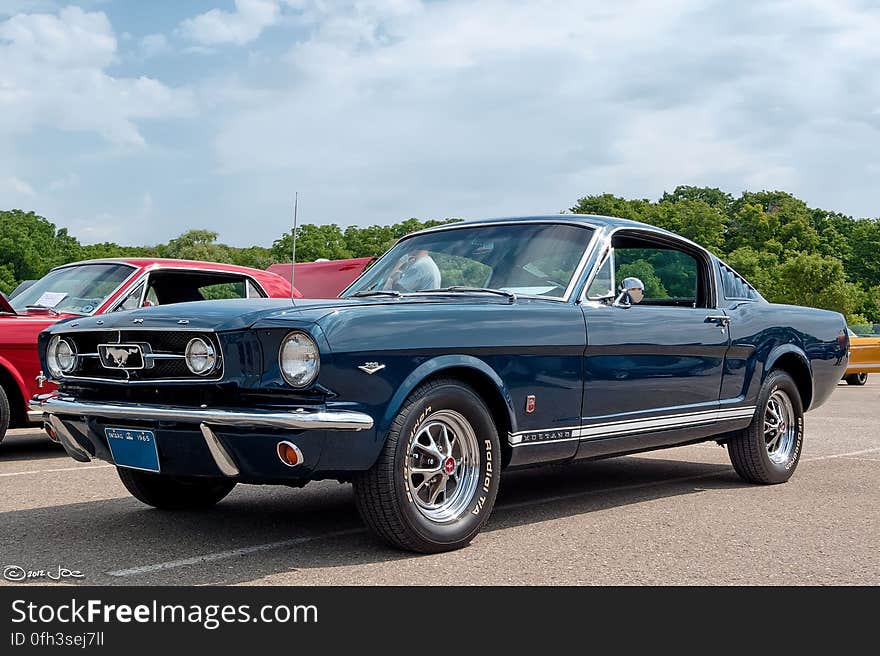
column 762, row 333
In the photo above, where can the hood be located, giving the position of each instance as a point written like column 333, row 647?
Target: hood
column 5, row 307
column 235, row 314
column 239, row 314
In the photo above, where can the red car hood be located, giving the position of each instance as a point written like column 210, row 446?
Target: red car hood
column 22, row 329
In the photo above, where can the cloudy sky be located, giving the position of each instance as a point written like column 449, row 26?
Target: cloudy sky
column 132, row 121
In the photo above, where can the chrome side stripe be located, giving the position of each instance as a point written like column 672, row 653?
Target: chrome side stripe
column 613, row 428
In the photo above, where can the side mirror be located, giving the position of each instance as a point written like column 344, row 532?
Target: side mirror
column 632, row 291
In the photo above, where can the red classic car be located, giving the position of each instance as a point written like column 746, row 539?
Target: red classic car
column 99, row 287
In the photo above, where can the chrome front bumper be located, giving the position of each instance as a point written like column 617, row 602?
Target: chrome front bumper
column 51, row 407
column 296, row 420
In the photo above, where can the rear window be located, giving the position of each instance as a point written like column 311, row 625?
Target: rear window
column 735, row 287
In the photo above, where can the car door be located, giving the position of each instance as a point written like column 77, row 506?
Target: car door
column 657, row 364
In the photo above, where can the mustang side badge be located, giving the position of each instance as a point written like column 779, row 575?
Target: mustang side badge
column 530, row 403
column 371, row 367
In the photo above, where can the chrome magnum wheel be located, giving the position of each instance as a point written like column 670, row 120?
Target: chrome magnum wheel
column 780, row 433
column 768, row 450
column 443, row 466
column 435, row 481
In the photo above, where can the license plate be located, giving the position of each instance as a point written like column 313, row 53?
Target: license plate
column 133, row 448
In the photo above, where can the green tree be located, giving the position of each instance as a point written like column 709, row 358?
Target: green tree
column 30, row 245
column 816, row 281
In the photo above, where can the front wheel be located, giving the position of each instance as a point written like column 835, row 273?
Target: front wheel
column 435, row 482
column 856, row 379
column 174, row 492
column 768, row 450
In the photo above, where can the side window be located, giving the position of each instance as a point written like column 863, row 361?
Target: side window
column 253, row 291
column 133, row 300
column 603, row 283
column 671, row 277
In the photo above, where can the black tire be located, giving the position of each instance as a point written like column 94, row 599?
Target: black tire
column 856, row 379
column 174, row 492
column 386, row 500
column 748, row 449
column 4, row 413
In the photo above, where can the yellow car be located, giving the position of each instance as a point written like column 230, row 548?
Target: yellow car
column 864, row 358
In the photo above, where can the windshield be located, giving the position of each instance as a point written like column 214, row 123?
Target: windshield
column 527, row 258
column 77, row 289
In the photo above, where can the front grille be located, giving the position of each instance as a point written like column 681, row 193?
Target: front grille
column 163, row 355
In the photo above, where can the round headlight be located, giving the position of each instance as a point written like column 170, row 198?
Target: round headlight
column 299, row 359
column 60, row 356
column 200, row 356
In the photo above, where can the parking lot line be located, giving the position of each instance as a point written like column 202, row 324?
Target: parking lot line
column 232, row 553
column 242, row 551
column 49, row 471
column 843, row 455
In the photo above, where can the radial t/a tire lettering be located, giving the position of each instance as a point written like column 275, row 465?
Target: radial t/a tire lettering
column 435, row 482
column 769, row 449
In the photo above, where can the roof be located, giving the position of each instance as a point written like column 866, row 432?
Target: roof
column 164, row 262
column 272, row 283
column 590, row 220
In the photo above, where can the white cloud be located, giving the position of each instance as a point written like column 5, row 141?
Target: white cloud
column 64, row 183
column 154, row 45
column 390, row 109
column 54, row 74
column 239, row 27
column 15, row 187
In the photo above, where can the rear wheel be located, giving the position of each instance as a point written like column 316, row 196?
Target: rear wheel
column 434, row 484
column 174, row 492
column 856, row 379
column 4, row 413
column 768, row 450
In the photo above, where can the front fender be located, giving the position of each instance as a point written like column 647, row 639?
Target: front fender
column 7, row 367
column 437, row 365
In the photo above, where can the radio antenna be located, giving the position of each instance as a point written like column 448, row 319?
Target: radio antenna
column 293, row 249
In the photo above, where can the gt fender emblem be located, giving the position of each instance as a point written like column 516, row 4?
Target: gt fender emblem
column 371, row 367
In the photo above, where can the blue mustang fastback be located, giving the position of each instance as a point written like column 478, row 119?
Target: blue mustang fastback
column 466, row 350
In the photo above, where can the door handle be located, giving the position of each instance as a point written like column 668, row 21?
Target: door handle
column 721, row 319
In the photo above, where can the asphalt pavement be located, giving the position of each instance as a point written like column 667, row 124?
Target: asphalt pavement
column 678, row 516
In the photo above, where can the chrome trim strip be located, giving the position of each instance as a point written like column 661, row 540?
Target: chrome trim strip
column 34, row 416
column 221, row 456
column 615, row 428
column 297, row 420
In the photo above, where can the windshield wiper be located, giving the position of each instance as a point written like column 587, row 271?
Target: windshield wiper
column 44, row 307
column 462, row 289
column 378, row 292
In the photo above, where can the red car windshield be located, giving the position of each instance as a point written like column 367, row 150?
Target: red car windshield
column 76, row 289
